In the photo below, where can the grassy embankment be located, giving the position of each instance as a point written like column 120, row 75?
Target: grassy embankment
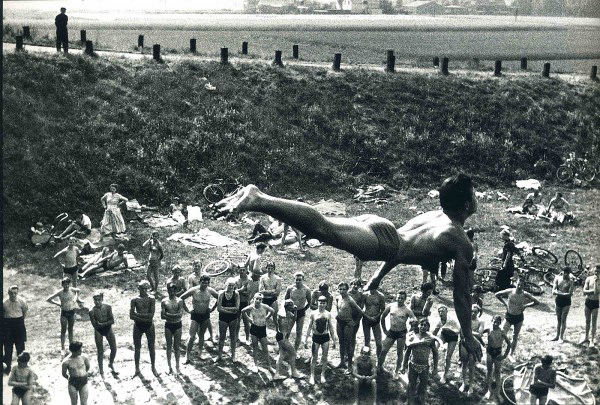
column 74, row 125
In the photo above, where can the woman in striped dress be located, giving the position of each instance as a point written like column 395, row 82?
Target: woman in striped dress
column 113, row 222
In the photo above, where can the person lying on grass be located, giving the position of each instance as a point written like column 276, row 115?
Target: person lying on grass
column 425, row 240
column 108, row 260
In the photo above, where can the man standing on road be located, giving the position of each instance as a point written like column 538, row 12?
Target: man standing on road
column 13, row 325
column 62, row 34
column 426, row 240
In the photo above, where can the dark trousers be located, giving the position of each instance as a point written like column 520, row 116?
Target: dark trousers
column 62, row 38
column 14, row 334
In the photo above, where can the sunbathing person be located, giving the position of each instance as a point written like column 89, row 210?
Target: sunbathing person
column 557, row 209
column 108, row 260
column 176, row 210
column 425, row 240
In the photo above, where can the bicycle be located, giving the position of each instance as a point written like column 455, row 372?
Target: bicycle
column 227, row 262
column 576, row 168
column 219, row 189
column 573, row 260
column 508, row 387
column 49, row 236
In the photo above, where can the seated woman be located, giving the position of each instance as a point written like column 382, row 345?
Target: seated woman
column 176, row 211
column 108, row 260
column 38, row 234
column 557, row 209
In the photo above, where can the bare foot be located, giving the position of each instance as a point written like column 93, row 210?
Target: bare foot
column 137, row 373
column 112, row 368
column 155, row 372
column 583, row 341
column 242, row 201
column 554, row 339
column 188, row 361
column 591, row 343
column 170, row 371
column 312, row 380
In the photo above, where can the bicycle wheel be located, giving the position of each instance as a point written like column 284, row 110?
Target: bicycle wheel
column 486, row 278
column 544, row 256
column 533, row 288
column 213, row 193
column 573, row 260
column 549, row 278
column 495, row 261
column 588, row 173
column 508, row 390
column 564, row 173
column 217, row 267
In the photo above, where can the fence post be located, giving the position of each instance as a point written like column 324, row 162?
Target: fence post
column 337, row 61
column 156, row 52
column 390, row 61
column 498, row 68
column 224, row 56
column 89, row 48
column 140, row 41
column 523, row 63
column 19, row 40
column 82, row 36
column 244, row 48
column 295, row 51
column 546, row 71
column 594, row 73
column 436, row 62
column 277, row 60
column 193, row 45
column 26, row 32
column 444, row 66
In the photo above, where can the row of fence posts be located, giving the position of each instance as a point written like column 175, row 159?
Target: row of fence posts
column 337, row 59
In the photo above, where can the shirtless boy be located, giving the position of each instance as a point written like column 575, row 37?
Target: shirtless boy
column 154, row 258
column 450, row 329
column 591, row 290
column 466, row 359
column 102, row 319
column 22, row 380
column 563, row 287
column 177, row 280
column 365, row 372
column 70, row 254
column 345, row 307
column 228, row 305
column 253, row 261
column 75, row 368
column 300, row 296
column 68, row 302
column 270, row 286
column 141, row 312
column 108, row 260
column 193, row 280
column 201, row 309
column 358, row 296
column 320, row 326
column 257, row 314
column 244, row 288
column 284, row 323
column 421, row 304
column 544, row 378
column 171, row 310
column 399, row 314
column 416, row 359
column 425, row 240
column 321, row 291
column 496, row 337
column 516, row 301
column 374, row 307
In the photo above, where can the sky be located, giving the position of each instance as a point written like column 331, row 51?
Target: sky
column 130, row 4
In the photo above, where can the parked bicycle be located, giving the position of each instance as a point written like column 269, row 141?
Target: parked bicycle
column 229, row 261
column 48, row 237
column 576, row 168
column 575, row 262
column 219, row 189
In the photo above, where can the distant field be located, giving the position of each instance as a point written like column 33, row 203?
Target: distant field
column 360, row 39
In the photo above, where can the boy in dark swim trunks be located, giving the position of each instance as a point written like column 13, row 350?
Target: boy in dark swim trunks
column 69, row 301
column 496, row 337
column 22, row 379
column 171, row 310
column 141, row 313
column 563, row 287
column 544, row 378
column 399, row 314
column 75, row 368
column 365, row 373
column 102, row 319
column 70, row 266
column 591, row 290
column 257, row 314
column 320, row 326
column 450, row 330
column 416, row 360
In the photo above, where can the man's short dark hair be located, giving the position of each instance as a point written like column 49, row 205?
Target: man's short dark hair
column 426, row 287
column 323, row 286
column 470, row 233
column 344, row 284
column 204, row 277
column 75, row 346
column 455, row 191
column 547, row 359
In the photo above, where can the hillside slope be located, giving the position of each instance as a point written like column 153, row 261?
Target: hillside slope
column 74, row 125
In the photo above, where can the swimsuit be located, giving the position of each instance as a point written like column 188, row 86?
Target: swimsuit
column 538, row 391
column 269, row 300
column 20, row 391
column 173, row 326
column 300, row 313
column 78, row 382
column 449, row 336
column 228, row 303
column 320, row 339
column 103, row 330
column 200, row 317
column 243, row 304
column 321, row 325
column 372, row 323
column 562, row 301
column 67, row 314
column 592, row 304
column 418, row 368
column 258, row 331
column 494, row 351
column 514, row 319
column 70, row 270
column 143, row 327
column 396, row 334
column 279, row 336
column 387, row 237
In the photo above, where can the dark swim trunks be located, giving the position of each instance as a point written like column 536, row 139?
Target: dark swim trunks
column 103, row 330
column 300, row 313
column 592, row 304
column 514, row 319
column 70, row 314
column 19, row 391
column 70, row 270
column 143, row 327
column 395, row 334
column 279, row 336
column 494, row 351
column 78, row 382
column 269, row 300
column 562, row 301
column 371, row 323
column 258, row 331
column 449, row 336
column 538, row 391
column 173, row 327
column 320, row 339
column 199, row 318
column 386, row 234
column 228, row 318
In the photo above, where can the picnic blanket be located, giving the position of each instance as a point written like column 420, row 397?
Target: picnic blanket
column 376, row 193
column 330, row 207
column 568, row 390
column 203, row 239
column 159, row 221
column 194, row 213
column 530, row 184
